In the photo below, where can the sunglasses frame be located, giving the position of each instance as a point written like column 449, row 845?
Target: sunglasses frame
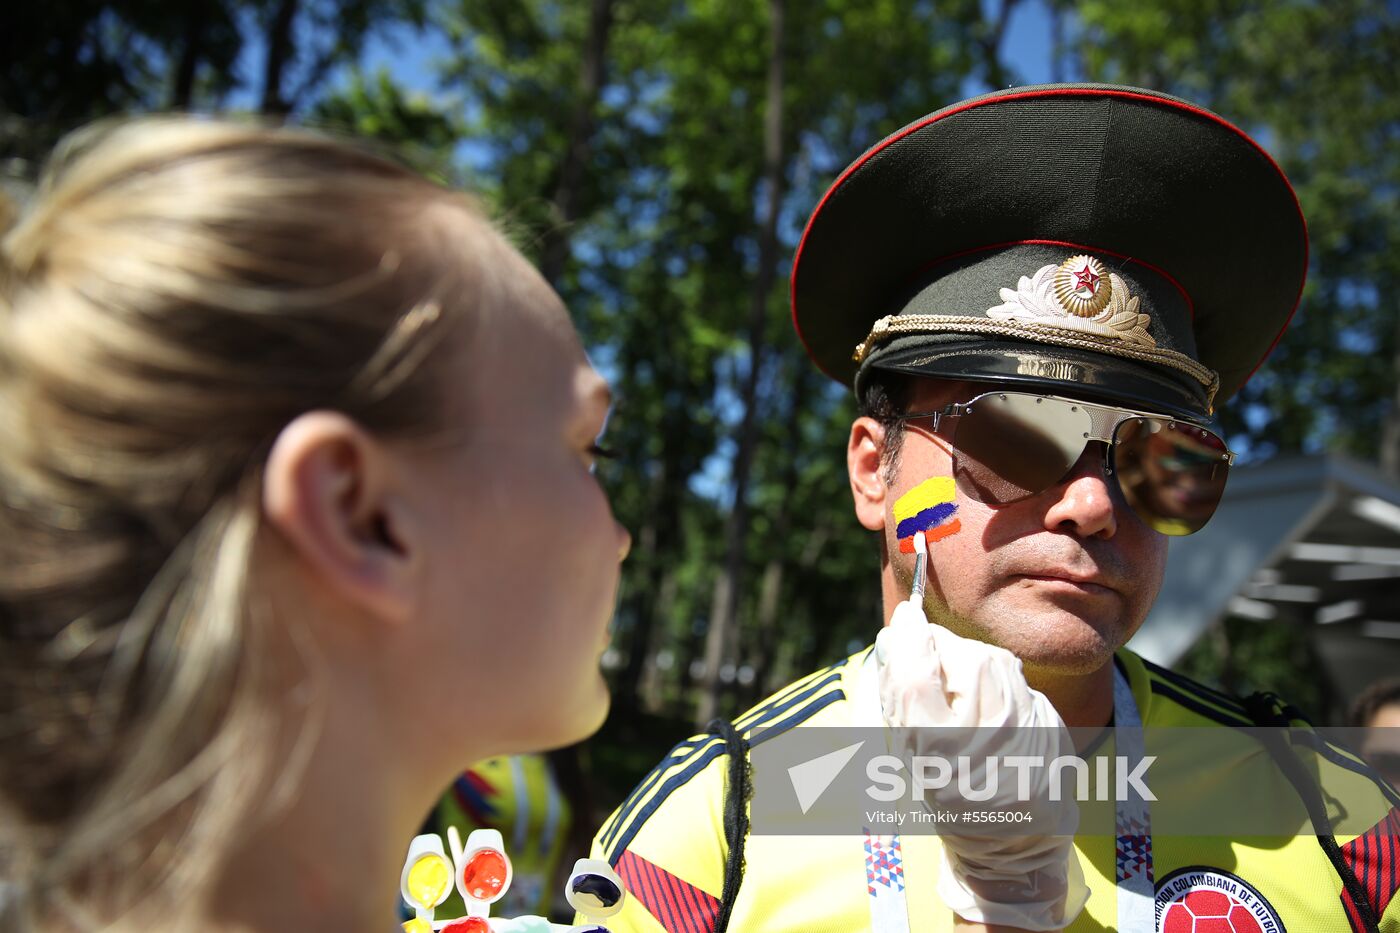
column 1103, row 426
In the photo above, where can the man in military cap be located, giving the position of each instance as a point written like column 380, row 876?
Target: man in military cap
column 1039, row 297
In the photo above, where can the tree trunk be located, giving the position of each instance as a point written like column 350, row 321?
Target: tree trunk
column 657, row 540
column 625, row 686
column 1390, row 433
column 722, row 613
column 279, row 53
column 651, row 691
column 1058, row 53
column 772, row 675
column 770, row 602
column 991, row 46
column 555, row 250
column 182, row 89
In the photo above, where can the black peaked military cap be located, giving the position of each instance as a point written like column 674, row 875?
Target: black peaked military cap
column 1116, row 242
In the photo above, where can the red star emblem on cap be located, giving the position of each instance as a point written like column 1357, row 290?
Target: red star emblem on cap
column 1085, row 278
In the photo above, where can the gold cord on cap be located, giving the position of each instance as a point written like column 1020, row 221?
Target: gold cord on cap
column 894, row 325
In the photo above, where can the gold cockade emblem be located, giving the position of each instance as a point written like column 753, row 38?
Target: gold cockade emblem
column 1083, row 286
column 1081, row 295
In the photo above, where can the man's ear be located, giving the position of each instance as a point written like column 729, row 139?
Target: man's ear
column 865, row 466
column 328, row 489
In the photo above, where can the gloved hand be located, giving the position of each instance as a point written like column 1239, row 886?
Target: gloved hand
column 930, row 676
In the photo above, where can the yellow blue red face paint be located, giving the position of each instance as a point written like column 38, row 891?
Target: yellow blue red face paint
column 928, row 509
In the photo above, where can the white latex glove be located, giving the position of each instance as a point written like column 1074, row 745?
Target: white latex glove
column 930, row 676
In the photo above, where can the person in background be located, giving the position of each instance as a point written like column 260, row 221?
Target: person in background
column 297, row 517
column 1378, row 709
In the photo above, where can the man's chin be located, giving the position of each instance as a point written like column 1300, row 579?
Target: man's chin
column 1059, row 644
column 1064, row 661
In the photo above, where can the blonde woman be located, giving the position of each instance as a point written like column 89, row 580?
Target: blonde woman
column 298, row 518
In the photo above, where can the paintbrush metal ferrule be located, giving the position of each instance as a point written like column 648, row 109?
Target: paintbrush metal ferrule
column 920, row 560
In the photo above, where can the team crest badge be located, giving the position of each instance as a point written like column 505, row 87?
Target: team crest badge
column 1198, row 898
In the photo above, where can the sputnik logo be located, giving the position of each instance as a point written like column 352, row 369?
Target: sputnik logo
column 811, row 778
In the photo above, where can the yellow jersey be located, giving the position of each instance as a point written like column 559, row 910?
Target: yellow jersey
column 668, row 839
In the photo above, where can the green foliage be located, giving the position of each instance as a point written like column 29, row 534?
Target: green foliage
column 1244, row 656
column 378, row 109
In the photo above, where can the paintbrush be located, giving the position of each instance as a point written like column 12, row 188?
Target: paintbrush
column 920, row 569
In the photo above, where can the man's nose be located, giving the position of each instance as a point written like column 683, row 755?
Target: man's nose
column 1082, row 502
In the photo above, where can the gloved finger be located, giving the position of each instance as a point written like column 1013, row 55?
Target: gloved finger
column 986, row 683
column 911, row 674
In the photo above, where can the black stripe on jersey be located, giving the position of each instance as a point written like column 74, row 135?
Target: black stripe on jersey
column 780, row 703
column 676, row 780
column 805, row 685
column 678, row 754
column 1332, row 754
column 698, row 763
column 1196, row 706
column 1199, row 690
column 806, row 712
column 747, row 724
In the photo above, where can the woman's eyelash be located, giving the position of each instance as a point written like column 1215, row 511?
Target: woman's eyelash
column 602, row 453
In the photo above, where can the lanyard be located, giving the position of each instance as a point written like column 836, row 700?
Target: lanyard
column 884, row 855
column 1132, row 820
column 884, row 860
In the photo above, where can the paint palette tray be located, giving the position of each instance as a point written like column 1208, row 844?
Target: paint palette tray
column 481, row 872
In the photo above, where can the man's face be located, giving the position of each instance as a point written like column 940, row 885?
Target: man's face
column 1061, row 579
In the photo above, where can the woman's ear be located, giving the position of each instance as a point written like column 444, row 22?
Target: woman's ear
column 328, row 489
column 865, row 465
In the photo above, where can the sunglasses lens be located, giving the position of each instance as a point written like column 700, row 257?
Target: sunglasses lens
column 1014, row 446
column 1172, row 474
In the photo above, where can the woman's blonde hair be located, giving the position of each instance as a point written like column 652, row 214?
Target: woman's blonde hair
column 173, row 294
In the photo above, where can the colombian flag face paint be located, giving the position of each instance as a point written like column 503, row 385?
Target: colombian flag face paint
column 927, row 509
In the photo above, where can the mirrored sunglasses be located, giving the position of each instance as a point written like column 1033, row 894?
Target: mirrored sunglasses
column 1009, row 446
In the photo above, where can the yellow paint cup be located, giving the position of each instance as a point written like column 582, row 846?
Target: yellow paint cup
column 429, row 880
